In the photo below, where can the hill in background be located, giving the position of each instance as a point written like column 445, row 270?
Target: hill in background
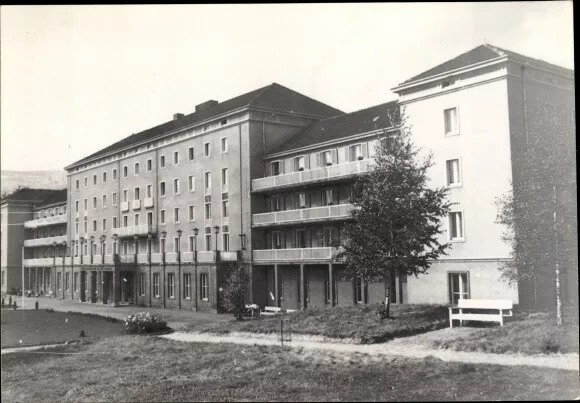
column 10, row 180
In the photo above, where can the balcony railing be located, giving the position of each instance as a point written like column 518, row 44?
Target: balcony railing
column 133, row 230
column 228, row 256
column 312, row 175
column 42, row 222
column 148, row 202
column 136, row 204
column 42, row 261
column 206, row 256
column 312, row 214
column 45, row 241
column 124, row 206
column 294, row 254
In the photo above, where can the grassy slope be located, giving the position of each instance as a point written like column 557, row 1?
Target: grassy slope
column 355, row 322
column 137, row 368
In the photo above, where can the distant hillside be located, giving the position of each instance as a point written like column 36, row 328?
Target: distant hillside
column 10, row 180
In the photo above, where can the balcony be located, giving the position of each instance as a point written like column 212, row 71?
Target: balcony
column 206, row 256
column 42, row 261
column 45, row 241
column 42, row 222
column 228, row 256
column 314, row 214
column 332, row 172
column 139, row 230
column 136, row 204
column 295, row 255
column 124, row 206
column 148, row 202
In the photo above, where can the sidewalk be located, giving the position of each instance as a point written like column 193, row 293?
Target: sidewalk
column 176, row 318
column 404, row 347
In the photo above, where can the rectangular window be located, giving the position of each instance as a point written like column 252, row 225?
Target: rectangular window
column 149, row 190
column 327, row 158
column 162, row 218
column 94, row 179
column 150, row 218
column 142, row 284
column 176, row 215
column 115, row 222
column 77, row 206
column 456, row 226
column 176, row 157
column 94, row 202
column 176, row 186
column 224, row 179
column 125, row 171
column 359, row 291
column 276, row 203
column 76, row 282
column 104, row 177
column 206, row 149
column 59, row 281
column 125, row 221
column 208, row 242
column 451, row 121
column 453, row 172
column 85, row 226
column 355, row 152
column 301, row 238
column 225, row 212
column 78, row 184
column 162, row 189
column 114, row 198
column 191, row 183
column 191, row 153
column 327, row 199
column 104, row 200
column 171, row 285
column 136, row 168
column 162, row 161
column 86, row 182
column 114, row 174
column 67, row 281
column 187, row 286
column 301, row 200
column 149, row 165
column 275, row 168
column 191, row 213
column 156, row 285
column 136, row 219
column 226, row 242
column 203, row 287
column 86, row 202
column 125, row 195
column 207, row 182
column 224, row 144
column 104, row 224
column 176, row 244
column 458, row 286
column 276, row 239
column 208, row 211
column 299, row 163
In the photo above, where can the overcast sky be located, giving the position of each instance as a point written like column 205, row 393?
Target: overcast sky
column 76, row 79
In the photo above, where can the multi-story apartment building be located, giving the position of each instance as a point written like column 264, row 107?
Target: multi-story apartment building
column 33, row 228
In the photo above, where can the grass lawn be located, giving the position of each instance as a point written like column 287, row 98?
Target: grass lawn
column 35, row 327
column 359, row 323
column 535, row 333
column 141, row 368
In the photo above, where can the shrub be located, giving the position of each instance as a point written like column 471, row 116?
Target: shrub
column 235, row 290
column 144, row 322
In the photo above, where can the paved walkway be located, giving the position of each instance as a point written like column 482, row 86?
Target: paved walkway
column 176, row 318
column 403, row 347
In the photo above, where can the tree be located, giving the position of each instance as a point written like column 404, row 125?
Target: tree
column 235, row 289
column 397, row 216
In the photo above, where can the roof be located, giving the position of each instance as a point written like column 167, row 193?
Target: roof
column 37, row 196
column 479, row 54
column 273, row 96
column 345, row 125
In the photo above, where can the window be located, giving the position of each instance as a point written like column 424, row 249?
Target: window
column 94, row 179
column 359, row 291
column 125, row 221
column 85, row 225
column 150, row 218
column 225, row 205
column 162, row 218
column 277, row 239
column 162, row 161
column 224, row 144
column 94, row 225
column 187, row 286
column 125, row 171
column 59, row 281
column 67, row 281
column 77, row 206
column 329, row 235
column 176, row 215
column 299, row 163
column 104, row 200
column 86, row 182
column 203, row 287
column 171, row 285
column 191, row 243
column 327, row 158
column 208, row 242
column 301, row 200
column 136, row 168
column 276, row 203
column 176, row 157
column 86, row 203
column 142, row 284
column 104, row 224
column 207, row 181
column 206, row 149
column 114, row 174
column 162, row 189
column 226, row 244
column 301, row 238
column 327, row 199
column 156, row 285
column 149, row 165
column 451, row 121
column 447, row 83
column 224, row 179
column 149, row 190
column 458, row 286
column 114, row 198
column 162, row 244
column 76, row 282
column 94, row 202
column 355, row 152
column 176, row 244
column 125, row 195
column 456, row 226
column 176, row 186
column 136, row 219
column 453, row 173
column 115, row 222
column 191, row 213
column 223, row 122
column 191, row 181
column 78, row 184
column 208, row 211
column 275, row 168
column 190, row 153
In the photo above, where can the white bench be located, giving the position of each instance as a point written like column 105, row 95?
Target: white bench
column 274, row 310
column 500, row 305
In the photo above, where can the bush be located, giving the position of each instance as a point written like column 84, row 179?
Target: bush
column 235, row 290
column 144, row 322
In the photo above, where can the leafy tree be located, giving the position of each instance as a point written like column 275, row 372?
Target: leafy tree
column 397, row 216
column 235, row 289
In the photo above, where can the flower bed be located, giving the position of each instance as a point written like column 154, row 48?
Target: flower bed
column 144, row 322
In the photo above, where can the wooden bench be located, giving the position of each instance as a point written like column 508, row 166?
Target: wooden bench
column 274, row 310
column 499, row 305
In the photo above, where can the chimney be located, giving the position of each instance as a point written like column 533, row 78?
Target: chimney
column 177, row 116
column 205, row 105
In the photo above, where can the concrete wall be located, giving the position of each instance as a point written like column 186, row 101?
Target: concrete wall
column 13, row 215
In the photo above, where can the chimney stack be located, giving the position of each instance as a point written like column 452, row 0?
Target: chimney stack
column 205, row 105
column 177, row 116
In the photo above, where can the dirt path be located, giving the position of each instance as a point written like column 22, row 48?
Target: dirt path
column 560, row 361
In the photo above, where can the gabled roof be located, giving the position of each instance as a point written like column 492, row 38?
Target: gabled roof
column 273, row 97
column 37, row 196
column 345, row 125
column 479, row 54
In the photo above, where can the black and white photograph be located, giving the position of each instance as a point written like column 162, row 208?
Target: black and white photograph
column 289, row 202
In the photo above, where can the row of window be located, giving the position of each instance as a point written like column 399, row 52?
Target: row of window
column 51, row 212
column 162, row 164
column 203, row 289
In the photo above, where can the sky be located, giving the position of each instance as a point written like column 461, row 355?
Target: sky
column 75, row 79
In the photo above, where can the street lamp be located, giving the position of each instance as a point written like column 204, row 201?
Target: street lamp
column 163, row 236
column 149, row 240
column 217, row 231
column 82, row 241
column 63, row 263
column 102, row 239
column 179, row 232
column 195, row 233
column 92, row 241
column 115, row 272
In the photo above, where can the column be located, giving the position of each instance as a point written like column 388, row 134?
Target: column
column 105, row 293
column 93, row 286
column 301, row 296
column 116, row 288
column 330, row 284
column 276, row 296
column 82, row 285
